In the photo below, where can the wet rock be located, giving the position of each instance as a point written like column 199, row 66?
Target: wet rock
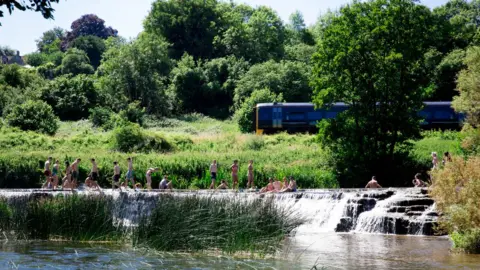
column 345, row 225
column 397, row 209
column 413, row 213
column 417, row 208
column 432, row 214
column 412, row 202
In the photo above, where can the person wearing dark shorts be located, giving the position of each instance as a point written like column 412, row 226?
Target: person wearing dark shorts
column 213, row 173
column 116, row 175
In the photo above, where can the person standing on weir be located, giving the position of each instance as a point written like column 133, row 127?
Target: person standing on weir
column 373, row 183
column 213, row 173
column 234, row 169
column 250, row 175
column 130, row 177
column 48, row 173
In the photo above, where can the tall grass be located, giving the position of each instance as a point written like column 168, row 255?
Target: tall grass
column 196, row 223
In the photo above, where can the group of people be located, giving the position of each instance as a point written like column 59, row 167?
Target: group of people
column 71, row 177
column 446, row 158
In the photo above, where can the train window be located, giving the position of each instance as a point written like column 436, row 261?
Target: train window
column 314, row 115
column 296, row 116
column 443, row 115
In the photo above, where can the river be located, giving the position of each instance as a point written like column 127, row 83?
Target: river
column 327, row 250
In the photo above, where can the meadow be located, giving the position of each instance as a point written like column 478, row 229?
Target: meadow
column 193, row 142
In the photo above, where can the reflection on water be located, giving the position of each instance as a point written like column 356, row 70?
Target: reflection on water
column 331, row 251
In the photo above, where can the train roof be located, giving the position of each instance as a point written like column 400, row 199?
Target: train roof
column 308, row 104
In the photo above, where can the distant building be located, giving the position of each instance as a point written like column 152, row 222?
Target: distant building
column 16, row 59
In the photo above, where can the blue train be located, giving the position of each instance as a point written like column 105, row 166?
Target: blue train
column 303, row 117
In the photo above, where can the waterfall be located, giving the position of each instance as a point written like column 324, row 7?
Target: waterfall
column 387, row 211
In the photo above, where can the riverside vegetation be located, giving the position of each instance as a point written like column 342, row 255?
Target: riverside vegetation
column 186, row 223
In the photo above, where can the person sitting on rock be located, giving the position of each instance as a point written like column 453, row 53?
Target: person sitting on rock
column 417, row 182
column 373, row 183
column 269, row 186
column 223, row 185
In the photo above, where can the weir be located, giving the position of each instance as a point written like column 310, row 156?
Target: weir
column 386, row 211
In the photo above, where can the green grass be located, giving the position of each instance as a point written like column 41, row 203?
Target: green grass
column 194, row 141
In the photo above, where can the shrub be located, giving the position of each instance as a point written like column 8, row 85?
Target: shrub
column 131, row 138
column 33, row 115
column 254, row 143
column 455, row 189
column 468, row 241
column 134, row 113
column 100, row 116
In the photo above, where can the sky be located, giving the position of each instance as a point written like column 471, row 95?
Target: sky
column 20, row 30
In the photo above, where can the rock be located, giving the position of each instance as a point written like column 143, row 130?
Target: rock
column 397, row 209
column 412, row 202
column 417, row 208
column 345, row 225
column 432, row 214
column 413, row 213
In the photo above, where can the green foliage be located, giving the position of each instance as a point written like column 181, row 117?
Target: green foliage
column 375, row 65
column 47, row 71
column 134, row 113
column 33, row 115
column 35, row 59
column 44, row 7
column 136, row 71
column 291, row 79
column 455, row 189
column 198, row 21
column 71, row 96
column 11, row 75
column 468, row 241
column 245, row 114
column 93, row 46
column 99, row 116
column 49, row 38
column 196, row 223
column 131, row 138
column 76, row 62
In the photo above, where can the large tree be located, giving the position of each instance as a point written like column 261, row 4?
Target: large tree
column 371, row 57
column 48, row 38
column 190, row 26
column 93, row 46
column 88, row 25
column 136, row 71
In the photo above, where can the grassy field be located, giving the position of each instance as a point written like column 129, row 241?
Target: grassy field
column 195, row 141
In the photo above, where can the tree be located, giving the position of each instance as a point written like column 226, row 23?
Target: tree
column 190, row 26
column 445, row 74
column 71, row 97
column 33, row 115
column 255, row 35
column 208, row 87
column 297, row 31
column 286, row 77
column 93, row 46
column 42, row 6
column 49, row 37
column 76, row 62
column 468, row 85
column 35, row 59
column 371, row 56
column 7, row 51
column 88, row 25
column 244, row 115
column 136, row 71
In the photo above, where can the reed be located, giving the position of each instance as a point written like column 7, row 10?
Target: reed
column 195, row 223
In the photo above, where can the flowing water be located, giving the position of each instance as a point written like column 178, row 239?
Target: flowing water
column 344, row 229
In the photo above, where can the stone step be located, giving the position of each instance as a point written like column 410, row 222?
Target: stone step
column 414, row 202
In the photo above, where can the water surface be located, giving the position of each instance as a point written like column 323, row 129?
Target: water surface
column 327, row 250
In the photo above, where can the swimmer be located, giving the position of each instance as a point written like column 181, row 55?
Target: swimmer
column 130, row 173
column 269, row 186
column 149, row 177
column 116, row 175
column 234, row 169
column 165, row 184
column 223, row 185
column 417, row 182
column 250, row 174
column 213, row 173
column 373, row 183
column 292, row 186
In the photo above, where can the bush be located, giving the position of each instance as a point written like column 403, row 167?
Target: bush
column 245, row 114
column 100, row 116
column 33, row 115
column 255, row 143
column 134, row 113
column 455, row 189
column 468, row 241
column 131, row 138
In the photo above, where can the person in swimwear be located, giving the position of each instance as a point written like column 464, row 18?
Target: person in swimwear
column 269, row 186
column 130, row 177
column 67, row 180
column 165, row 184
column 138, row 187
column 373, row 183
column 234, row 169
column 116, row 175
column 48, row 173
column 250, row 174
column 223, row 185
column 417, row 182
column 213, row 173
column 292, row 186
column 149, row 177
column 55, row 172
column 75, row 172
column 285, row 182
column 277, row 185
